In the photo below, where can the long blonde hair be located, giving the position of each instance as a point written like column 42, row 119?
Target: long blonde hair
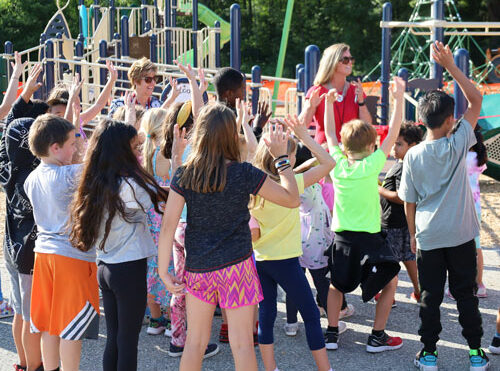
column 214, row 141
column 152, row 127
column 264, row 161
column 329, row 60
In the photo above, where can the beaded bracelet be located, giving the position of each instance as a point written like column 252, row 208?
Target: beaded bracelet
column 282, row 163
column 279, row 158
column 283, row 168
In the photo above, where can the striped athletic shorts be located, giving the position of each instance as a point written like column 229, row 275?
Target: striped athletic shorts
column 64, row 296
column 232, row 287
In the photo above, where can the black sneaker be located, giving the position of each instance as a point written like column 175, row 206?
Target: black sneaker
column 495, row 345
column 377, row 344
column 175, row 351
column 331, row 340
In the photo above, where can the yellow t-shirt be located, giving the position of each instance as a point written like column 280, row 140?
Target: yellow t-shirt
column 280, row 236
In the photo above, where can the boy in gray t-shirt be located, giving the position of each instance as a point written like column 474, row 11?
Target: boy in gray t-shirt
column 441, row 215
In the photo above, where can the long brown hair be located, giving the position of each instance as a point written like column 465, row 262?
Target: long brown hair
column 110, row 161
column 214, row 141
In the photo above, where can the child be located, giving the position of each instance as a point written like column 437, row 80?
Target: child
column 17, row 162
column 109, row 213
column 278, row 249
column 215, row 186
column 476, row 164
column 393, row 215
column 440, row 212
column 495, row 343
column 62, row 274
column 157, row 166
column 360, row 255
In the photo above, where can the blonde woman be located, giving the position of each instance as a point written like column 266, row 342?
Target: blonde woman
column 334, row 67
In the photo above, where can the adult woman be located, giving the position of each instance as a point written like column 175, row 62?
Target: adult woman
column 334, row 67
column 143, row 78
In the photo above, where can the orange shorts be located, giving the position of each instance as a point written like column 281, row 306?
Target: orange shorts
column 64, row 296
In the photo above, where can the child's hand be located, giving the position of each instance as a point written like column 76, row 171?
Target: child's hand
column 180, row 142
column 262, row 116
column 203, row 81
column 187, row 70
column 247, row 112
column 413, row 244
column 31, row 84
column 297, row 126
column 315, row 98
column 331, row 96
column 173, row 84
column 278, row 141
column 74, row 89
column 442, row 54
column 239, row 105
column 398, row 87
column 113, row 73
column 18, row 66
column 173, row 284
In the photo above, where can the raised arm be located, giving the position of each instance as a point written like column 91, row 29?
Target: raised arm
column 398, row 90
column 326, row 162
column 196, row 93
column 173, row 95
column 442, row 55
column 103, row 98
column 11, row 92
column 130, row 115
column 364, row 114
column 310, row 106
column 244, row 116
column 330, row 125
column 31, row 84
column 178, row 147
column 285, row 193
column 80, row 141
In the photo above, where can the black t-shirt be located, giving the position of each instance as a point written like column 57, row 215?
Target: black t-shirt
column 393, row 215
column 217, row 231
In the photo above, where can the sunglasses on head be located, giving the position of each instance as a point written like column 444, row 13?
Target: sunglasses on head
column 150, row 79
column 346, row 60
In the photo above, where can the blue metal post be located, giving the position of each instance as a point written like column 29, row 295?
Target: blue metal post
column 9, row 49
column 461, row 57
column 168, row 33
column 312, row 56
column 103, row 54
column 256, row 79
column 147, row 26
column 157, row 18
column 385, row 62
column 39, row 93
column 217, row 45
column 437, row 34
column 174, row 13
column 195, row 35
column 81, row 38
column 118, row 55
column 144, row 15
column 78, row 56
column 153, row 55
column 112, row 17
column 60, row 55
column 97, row 14
column 49, row 67
column 405, row 75
column 299, row 75
column 124, row 42
column 235, row 43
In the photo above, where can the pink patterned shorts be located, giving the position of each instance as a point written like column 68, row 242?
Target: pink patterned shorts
column 232, row 287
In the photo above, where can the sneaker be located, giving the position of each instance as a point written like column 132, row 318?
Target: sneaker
column 223, row 334
column 376, row 297
column 384, row 342
column 415, row 297
column 18, row 367
column 347, row 311
column 478, row 360
column 6, row 310
column 291, row 329
column 426, row 361
column 168, row 329
column 495, row 345
column 175, row 351
column 158, row 326
column 481, row 291
column 332, row 337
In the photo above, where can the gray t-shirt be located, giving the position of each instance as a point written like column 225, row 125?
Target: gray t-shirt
column 128, row 241
column 435, row 178
column 50, row 189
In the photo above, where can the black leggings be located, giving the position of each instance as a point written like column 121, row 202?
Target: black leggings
column 124, row 292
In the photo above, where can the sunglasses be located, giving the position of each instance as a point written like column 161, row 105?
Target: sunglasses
column 346, row 60
column 150, row 79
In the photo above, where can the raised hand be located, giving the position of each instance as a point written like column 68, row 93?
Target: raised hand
column 18, row 66
column 398, row 87
column 203, row 81
column 442, row 54
column 331, row 96
column 113, row 72
column 179, row 143
column 296, row 126
column 277, row 142
column 358, row 90
column 31, row 84
column 187, row 70
column 262, row 116
column 76, row 86
column 173, row 84
column 316, row 98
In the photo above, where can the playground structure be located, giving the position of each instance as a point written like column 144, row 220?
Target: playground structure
column 123, row 34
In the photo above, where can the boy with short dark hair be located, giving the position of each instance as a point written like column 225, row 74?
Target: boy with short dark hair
column 360, row 255
column 393, row 214
column 441, row 215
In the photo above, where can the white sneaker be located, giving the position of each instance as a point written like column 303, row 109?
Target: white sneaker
column 291, row 329
column 342, row 327
column 347, row 312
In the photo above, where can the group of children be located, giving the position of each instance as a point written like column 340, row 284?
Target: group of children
column 189, row 206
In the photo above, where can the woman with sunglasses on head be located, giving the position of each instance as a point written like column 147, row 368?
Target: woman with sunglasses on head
column 143, row 78
column 334, row 67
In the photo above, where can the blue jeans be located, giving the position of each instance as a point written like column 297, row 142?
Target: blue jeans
column 290, row 276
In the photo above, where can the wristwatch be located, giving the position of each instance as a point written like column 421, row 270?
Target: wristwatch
column 361, row 103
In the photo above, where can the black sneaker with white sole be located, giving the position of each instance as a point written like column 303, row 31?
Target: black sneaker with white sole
column 175, row 351
column 331, row 340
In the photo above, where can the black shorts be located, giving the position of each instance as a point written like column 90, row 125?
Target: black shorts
column 361, row 258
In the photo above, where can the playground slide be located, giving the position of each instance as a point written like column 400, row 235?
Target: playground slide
column 208, row 17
